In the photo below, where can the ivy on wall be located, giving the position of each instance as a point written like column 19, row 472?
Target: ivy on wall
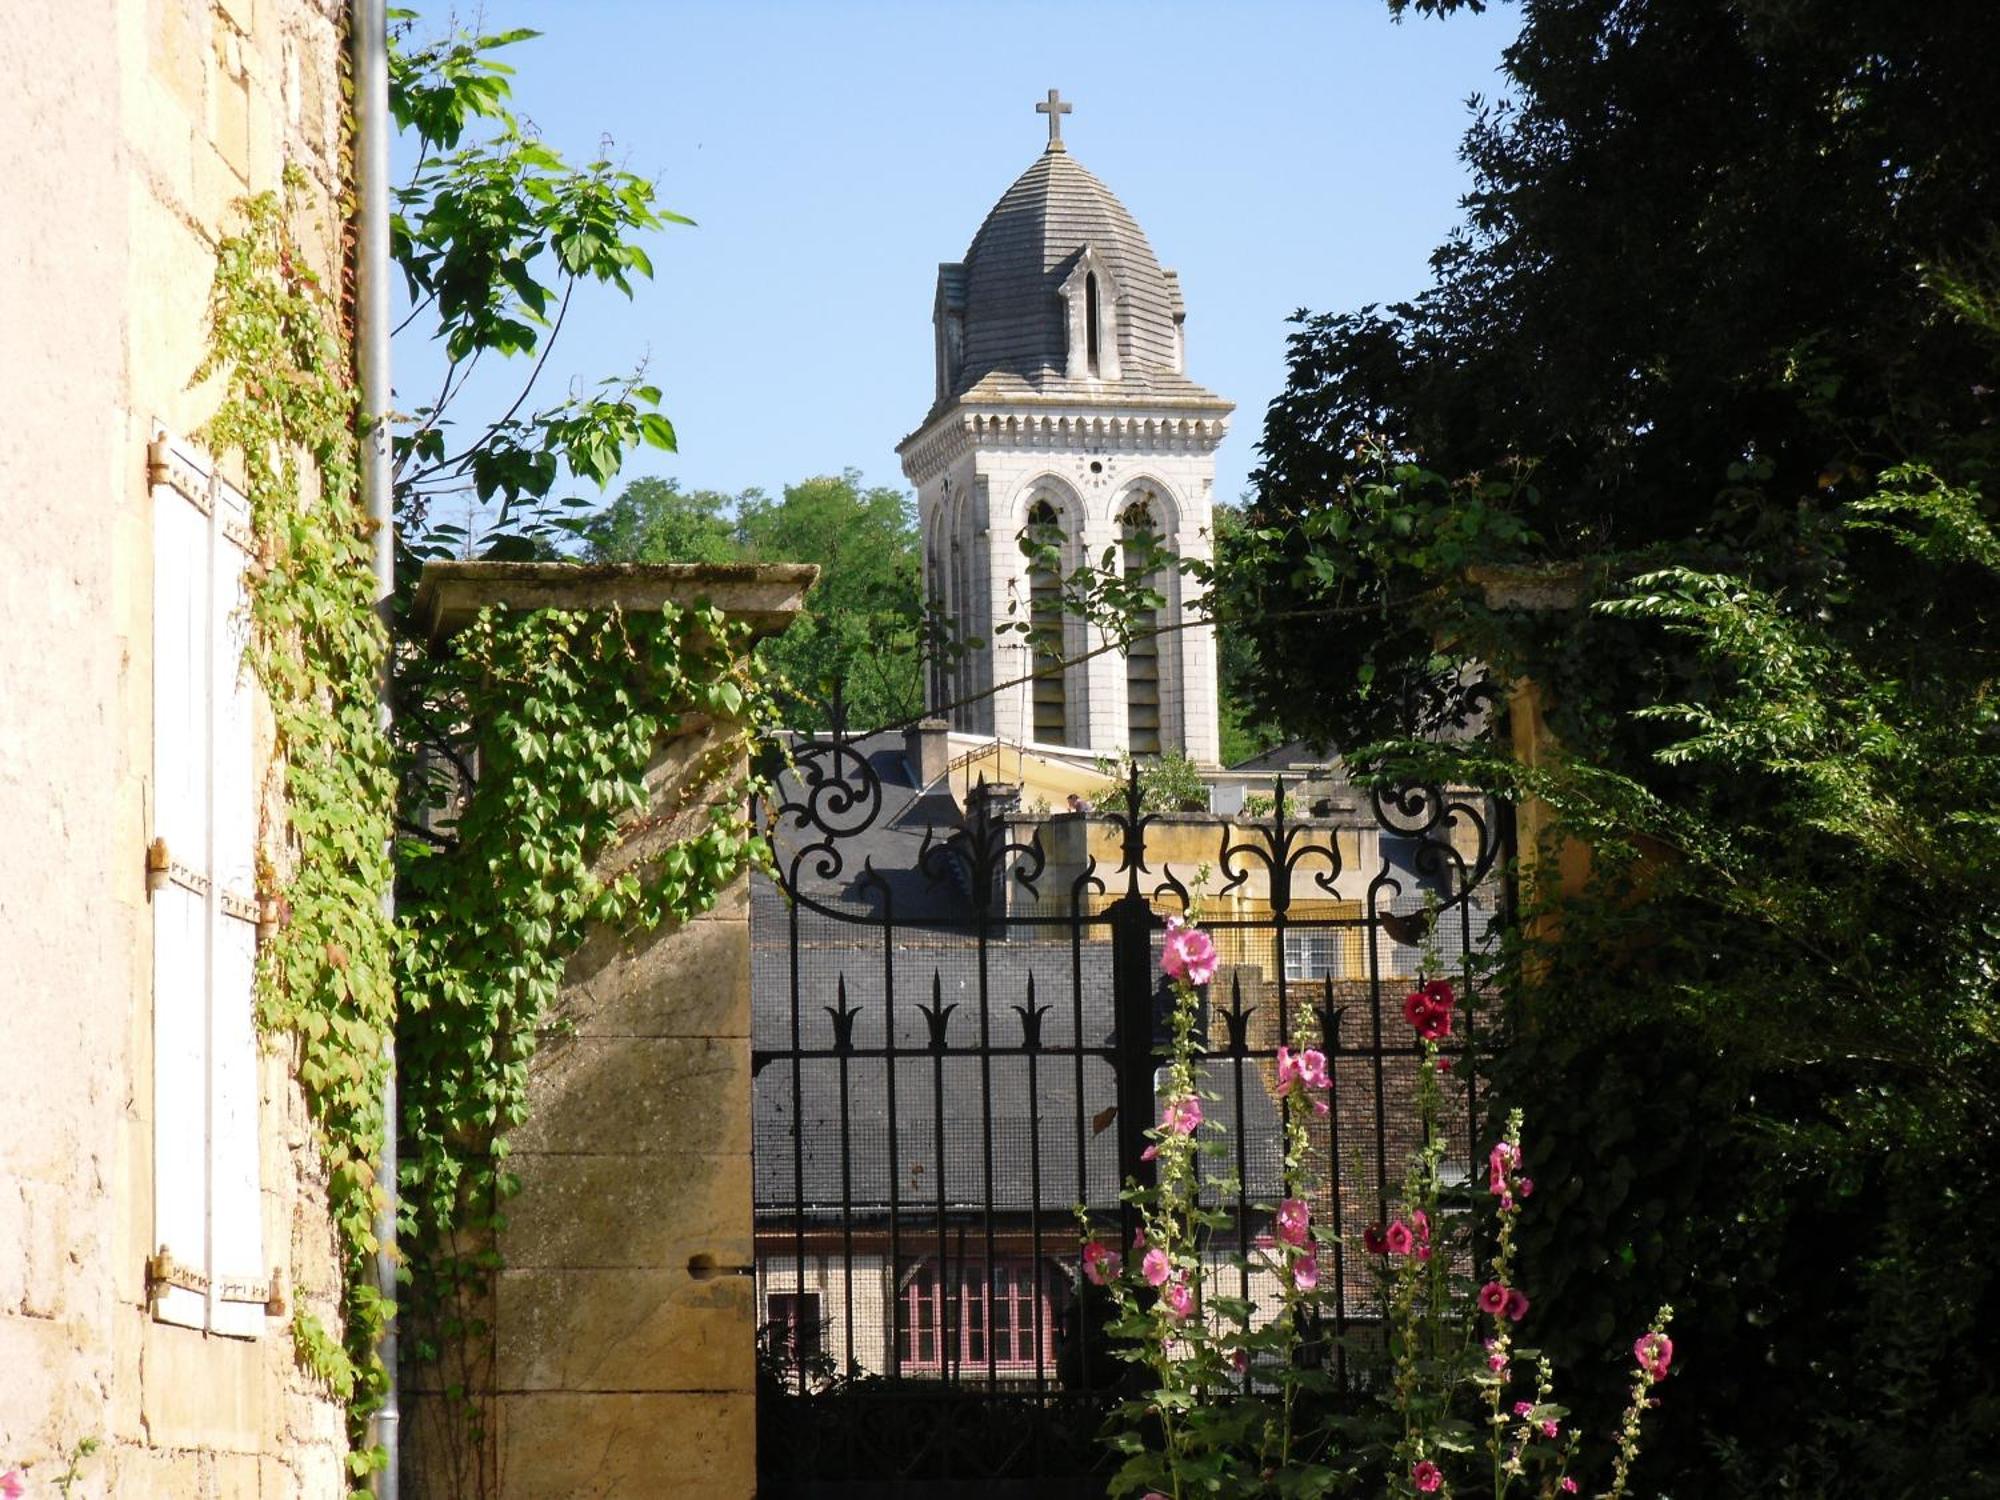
column 534, row 791
column 521, row 764
column 325, row 979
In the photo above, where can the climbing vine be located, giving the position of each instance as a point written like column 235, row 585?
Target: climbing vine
column 564, row 716
column 325, row 974
column 568, row 719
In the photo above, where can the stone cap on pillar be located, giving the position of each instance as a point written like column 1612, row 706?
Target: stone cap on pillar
column 763, row 596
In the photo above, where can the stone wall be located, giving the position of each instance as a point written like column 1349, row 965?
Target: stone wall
column 130, row 127
column 618, row 1357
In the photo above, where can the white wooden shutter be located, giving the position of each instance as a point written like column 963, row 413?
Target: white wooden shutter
column 181, row 714
column 237, row 1270
column 208, row 1219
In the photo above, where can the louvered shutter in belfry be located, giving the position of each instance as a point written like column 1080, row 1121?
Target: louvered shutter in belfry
column 181, row 713
column 237, row 1269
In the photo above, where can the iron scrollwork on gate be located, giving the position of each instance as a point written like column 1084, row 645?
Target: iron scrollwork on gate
column 957, row 1013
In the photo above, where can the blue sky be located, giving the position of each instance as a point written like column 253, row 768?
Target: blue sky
column 1277, row 155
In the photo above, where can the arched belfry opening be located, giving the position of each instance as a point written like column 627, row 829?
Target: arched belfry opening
column 1141, row 556
column 1044, row 539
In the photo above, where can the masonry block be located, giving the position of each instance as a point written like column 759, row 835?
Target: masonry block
column 691, row 980
column 649, row 1212
column 559, row 1446
column 674, row 1094
column 623, row 1330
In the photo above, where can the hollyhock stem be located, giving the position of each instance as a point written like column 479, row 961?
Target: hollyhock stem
column 1635, row 1410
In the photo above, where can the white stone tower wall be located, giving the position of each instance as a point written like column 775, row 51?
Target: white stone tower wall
column 973, row 509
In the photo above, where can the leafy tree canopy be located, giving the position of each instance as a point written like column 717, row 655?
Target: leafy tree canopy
column 862, row 627
column 1698, row 301
column 655, row 520
column 1694, row 429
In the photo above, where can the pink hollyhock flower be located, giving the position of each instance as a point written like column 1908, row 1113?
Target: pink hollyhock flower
column 1500, row 1164
column 1399, row 1239
column 1180, row 1297
column 1522, row 1408
column 1551, row 1428
column 1100, row 1263
column 1139, row 1238
column 1305, row 1272
column 1182, row 1116
column 1493, row 1299
column 1525, row 1186
column 1187, row 953
column 1517, row 1305
column 1156, row 1268
column 1294, row 1220
column 1655, row 1353
column 11, row 1485
column 1421, row 1223
column 1303, row 1069
column 1288, row 1071
column 1568, row 1486
column 1426, row 1476
column 1497, row 1363
column 1374, row 1241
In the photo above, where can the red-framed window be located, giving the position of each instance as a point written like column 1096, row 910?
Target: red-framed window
column 975, row 1314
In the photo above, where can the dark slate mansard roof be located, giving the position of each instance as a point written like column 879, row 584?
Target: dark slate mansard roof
column 1034, row 1129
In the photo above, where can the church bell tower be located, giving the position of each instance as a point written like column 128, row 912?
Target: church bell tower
column 1064, row 414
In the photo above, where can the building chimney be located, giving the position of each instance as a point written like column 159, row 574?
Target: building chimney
column 927, row 748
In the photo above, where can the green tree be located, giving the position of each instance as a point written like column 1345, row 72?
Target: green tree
column 1242, row 733
column 1712, row 363
column 655, row 520
column 862, row 628
column 495, row 233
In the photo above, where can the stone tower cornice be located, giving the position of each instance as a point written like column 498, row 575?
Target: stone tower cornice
column 1062, row 425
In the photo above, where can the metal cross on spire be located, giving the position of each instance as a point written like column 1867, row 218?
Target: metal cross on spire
column 1055, row 108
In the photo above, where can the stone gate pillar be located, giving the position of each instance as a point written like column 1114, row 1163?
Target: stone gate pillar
column 619, row 1360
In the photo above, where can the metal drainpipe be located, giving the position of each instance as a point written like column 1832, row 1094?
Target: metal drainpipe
column 368, row 37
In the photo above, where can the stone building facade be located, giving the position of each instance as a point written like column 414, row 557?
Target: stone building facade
column 131, row 129
column 1064, row 413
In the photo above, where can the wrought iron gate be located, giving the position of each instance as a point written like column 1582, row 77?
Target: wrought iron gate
column 957, row 1017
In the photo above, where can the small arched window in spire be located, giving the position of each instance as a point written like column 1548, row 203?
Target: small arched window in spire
column 1091, row 334
column 1140, row 543
column 1042, row 536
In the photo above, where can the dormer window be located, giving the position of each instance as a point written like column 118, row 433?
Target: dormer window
column 1090, row 300
column 1091, row 325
